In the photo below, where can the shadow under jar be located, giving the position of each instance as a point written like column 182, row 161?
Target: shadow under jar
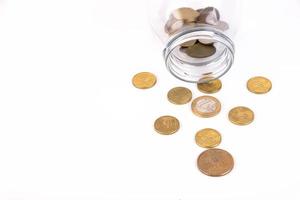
column 197, row 36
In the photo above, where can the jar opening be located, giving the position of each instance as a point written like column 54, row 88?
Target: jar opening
column 199, row 54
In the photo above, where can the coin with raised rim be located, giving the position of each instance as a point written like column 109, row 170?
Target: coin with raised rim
column 144, row 80
column 208, row 138
column 215, row 162
column 210, row 87
column 166, row 125
column 206, row 106
column 180, row 95
column 241, row 116
column 259, row 85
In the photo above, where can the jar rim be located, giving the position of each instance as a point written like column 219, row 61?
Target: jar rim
column 191, row 73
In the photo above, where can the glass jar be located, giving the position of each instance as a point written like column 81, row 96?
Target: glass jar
column 197, row 36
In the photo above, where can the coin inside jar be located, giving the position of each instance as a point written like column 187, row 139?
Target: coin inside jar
column 179, row 95
column 259, row 85
column 215, row 162
column 166, row 125
column 210, row 87
column 185, row 14
column 241, row 116
column 144, row 80
column 208, row 138
column 206, row 106
column 199, row 50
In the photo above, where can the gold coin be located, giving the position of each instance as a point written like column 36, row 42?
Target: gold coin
column 215, row 162
column 144, row 80
column 200, row 50
column 206, row 106
column 241, row 116
column 210, row 87
column 166, row 125
column 185, row 14
column 259, row 85
column 208, row 138
column 179, row 95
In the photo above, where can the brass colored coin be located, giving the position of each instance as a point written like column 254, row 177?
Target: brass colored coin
column 185, row 14
column 210, row 87
column 200, row 50
column 215, row 162
column 180, row 95
column 241, row 116
column 144, row 80
column 259, row 85
column 208, row 138
column 166, row 125
column 206, row 106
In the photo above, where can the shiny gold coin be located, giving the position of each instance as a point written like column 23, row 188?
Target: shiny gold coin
column 259, row 85
column 185, row 14
column 144, row 80
column 200, row 50
column 166, row 125
column 241, row 116
column 208, row 138
column 180, row 95
column 206, row 106
column 215, row 162
column 210, row 87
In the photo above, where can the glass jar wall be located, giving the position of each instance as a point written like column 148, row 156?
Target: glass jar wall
column 197, row 36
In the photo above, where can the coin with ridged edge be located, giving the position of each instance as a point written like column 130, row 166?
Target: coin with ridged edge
column 166, row 125
column 180, row 95
column 208, row 138
column 206, row 106
column 259, row 85
column 215, row 162
column 144, row 80
column 241, row 116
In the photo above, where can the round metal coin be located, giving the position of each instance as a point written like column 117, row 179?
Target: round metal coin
column 144, row 80
column 166, row 125
column 180, row 95
column 241, row 116
column 208, row 138
column 210, row 87
column 215, row 162
column 259, row 85
column 206, row 106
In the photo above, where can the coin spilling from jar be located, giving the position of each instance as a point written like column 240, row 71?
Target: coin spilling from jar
column 184, row 17
column 213, row 161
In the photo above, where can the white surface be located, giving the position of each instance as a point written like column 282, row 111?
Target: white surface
column 73, row 127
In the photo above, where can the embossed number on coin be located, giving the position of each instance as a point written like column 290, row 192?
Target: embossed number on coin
column 166, row 125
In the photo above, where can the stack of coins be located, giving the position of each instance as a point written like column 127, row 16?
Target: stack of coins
column 182, row 18
column 213, row 161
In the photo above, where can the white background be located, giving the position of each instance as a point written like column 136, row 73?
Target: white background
column 72, row 126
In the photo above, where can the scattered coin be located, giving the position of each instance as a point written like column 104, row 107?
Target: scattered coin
column 200, row 50
column 241, row 116
column 215, row 162
column 166, row 125
column 180, row 95
column 210, row 87
column 259, row 85
column 144, row 80
column 208, row 138
column 186, row 14
column 206, row 106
